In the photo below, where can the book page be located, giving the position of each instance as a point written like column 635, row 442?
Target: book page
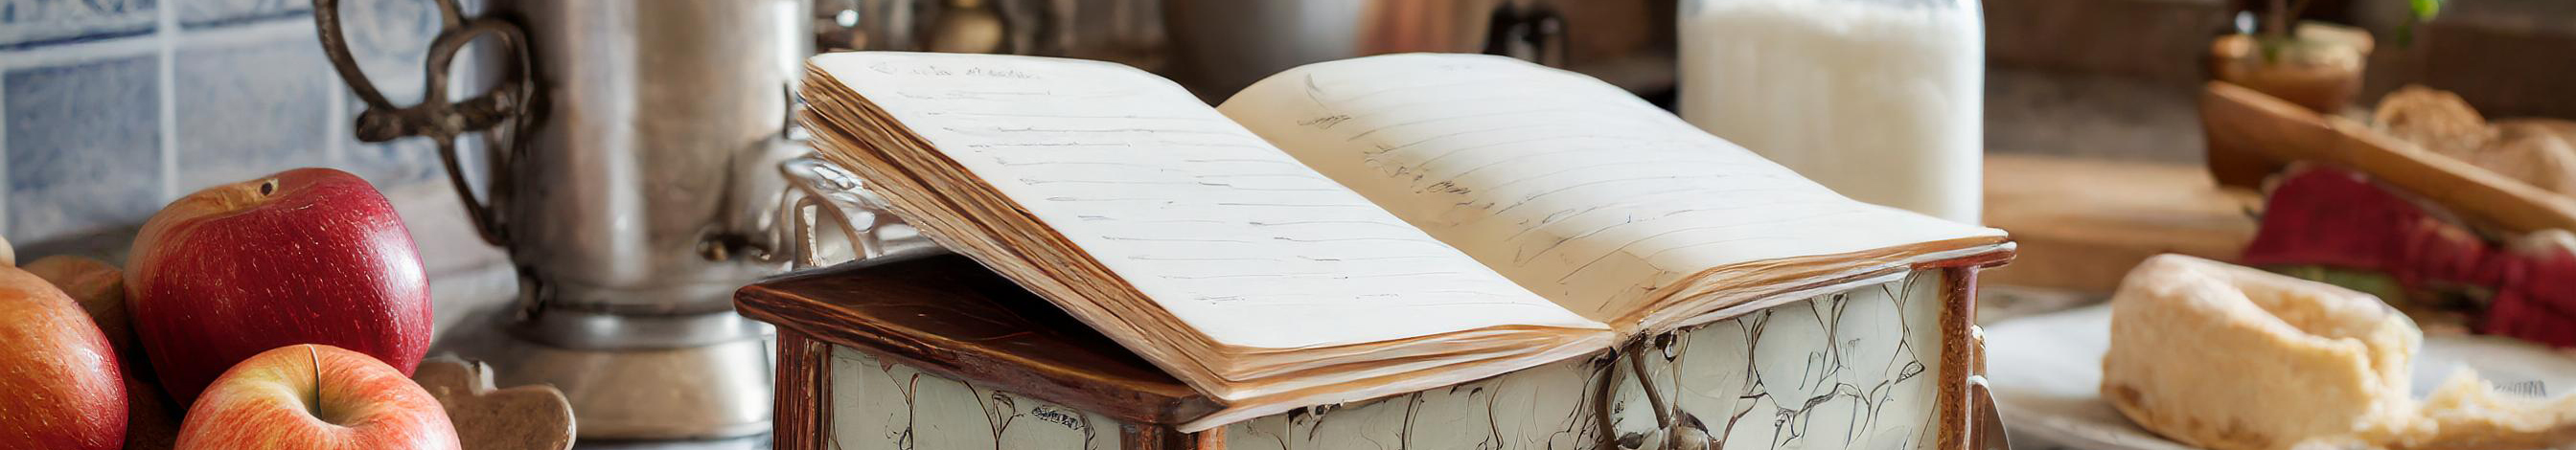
column 1233, row 237
column 1576, row 189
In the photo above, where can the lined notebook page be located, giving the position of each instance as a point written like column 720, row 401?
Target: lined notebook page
column 1235, row 238
column 1574, row 188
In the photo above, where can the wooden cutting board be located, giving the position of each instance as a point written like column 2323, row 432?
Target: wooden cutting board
column 2245, row 122
column 2082, row 223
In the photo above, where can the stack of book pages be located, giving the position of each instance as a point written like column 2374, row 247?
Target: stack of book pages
column 1351, row 229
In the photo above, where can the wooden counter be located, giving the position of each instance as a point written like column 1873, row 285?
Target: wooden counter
column 2082, row 223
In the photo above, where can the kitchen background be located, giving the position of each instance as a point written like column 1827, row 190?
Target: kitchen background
column 111, row 108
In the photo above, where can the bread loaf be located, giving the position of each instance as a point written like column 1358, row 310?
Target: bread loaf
column 2533, row 151
column 2231, row 358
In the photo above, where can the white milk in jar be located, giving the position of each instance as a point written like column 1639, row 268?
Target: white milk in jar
column 1881, row 100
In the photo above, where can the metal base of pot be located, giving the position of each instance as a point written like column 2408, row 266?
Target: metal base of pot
column 632, row 377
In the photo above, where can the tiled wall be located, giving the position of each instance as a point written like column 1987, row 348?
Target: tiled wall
column 111, row 108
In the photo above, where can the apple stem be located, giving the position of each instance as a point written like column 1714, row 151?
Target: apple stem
column 317, row 367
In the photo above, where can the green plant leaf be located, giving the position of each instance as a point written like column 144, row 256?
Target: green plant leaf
column 2425, row 11
column 2272, row 49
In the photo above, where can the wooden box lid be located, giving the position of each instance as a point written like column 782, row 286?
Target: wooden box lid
column 946, row 314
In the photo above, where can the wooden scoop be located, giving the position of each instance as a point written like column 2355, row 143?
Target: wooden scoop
column 2243, row 120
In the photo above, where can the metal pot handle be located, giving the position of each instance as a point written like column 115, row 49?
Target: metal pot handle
column 504, row 112
column 820, row 194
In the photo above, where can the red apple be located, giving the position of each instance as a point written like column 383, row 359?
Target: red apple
column 151, row 420
column 315, row 397
column 305, row 256
column 59, row 384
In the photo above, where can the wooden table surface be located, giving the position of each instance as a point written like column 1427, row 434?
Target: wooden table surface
column 2083, row 223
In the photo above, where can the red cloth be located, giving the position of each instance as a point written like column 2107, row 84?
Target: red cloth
column 2333, row 217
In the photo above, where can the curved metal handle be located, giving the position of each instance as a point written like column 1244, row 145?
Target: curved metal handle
column 504, row 112
column 819, row 192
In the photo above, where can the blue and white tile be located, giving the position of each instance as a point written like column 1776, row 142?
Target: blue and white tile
column 84, row 146
column 252, row 108
column 34, row 23
column 195, row 14
column 406, row 161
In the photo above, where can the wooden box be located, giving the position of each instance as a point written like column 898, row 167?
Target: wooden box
column 935, row 352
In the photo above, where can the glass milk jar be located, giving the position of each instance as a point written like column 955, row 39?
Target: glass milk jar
column 1881, row 100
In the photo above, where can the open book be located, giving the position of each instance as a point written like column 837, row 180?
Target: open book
column 1351, row 229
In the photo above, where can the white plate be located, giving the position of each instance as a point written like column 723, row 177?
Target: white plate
column 2047, row 375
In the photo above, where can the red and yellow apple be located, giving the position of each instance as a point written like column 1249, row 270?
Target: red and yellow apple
column 60, row 387
column 151, row 420
column 305, row 256
column 315, row 397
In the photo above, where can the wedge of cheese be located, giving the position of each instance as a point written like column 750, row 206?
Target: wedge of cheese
column 2231, row 358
